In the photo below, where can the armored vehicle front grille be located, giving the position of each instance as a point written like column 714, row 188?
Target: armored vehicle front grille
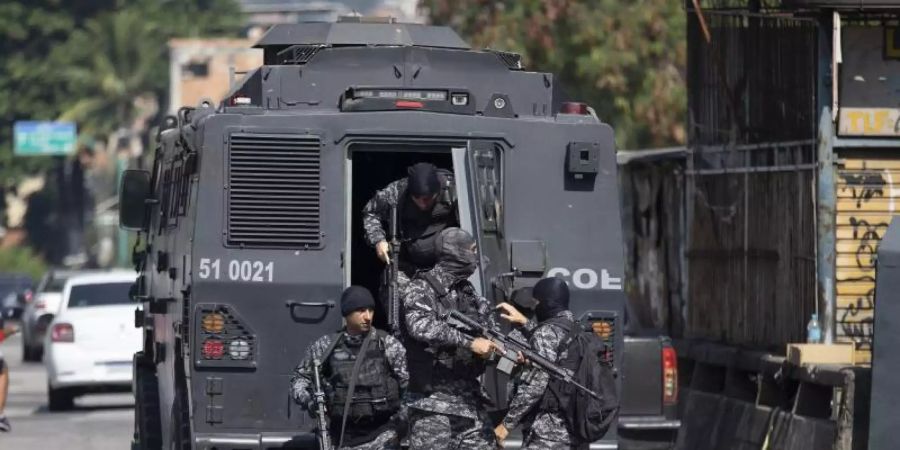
column 274, row 191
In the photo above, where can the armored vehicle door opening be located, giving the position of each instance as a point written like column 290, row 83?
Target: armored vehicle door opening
column 373, row 167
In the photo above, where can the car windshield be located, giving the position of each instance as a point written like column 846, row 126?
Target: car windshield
column 55, row 284
column 99, row 294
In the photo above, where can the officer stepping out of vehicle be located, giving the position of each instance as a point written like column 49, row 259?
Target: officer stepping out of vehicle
column 424, row 204
column 365, row 372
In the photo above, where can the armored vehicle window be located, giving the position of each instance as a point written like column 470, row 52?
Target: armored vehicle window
column 174, row 192
column 488, row 176
column 274, row 191
column 164, row 199
column 184, row 190
column 170, row 198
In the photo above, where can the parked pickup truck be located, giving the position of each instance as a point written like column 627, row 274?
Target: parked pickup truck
column 647, row 415
column 648, row 377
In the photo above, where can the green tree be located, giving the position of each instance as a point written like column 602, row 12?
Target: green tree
column 22, row 260
column 117, row 64
column 32, row 82
column 95, row 62
column 626, row 59
column 110, row 63
column 40, row 81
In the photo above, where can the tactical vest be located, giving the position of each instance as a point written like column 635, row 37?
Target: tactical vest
column 376, row 395
column 431, row 365
column 421, row 228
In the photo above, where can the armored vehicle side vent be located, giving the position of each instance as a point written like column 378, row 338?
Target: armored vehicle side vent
column 296, row 54
column 274, row 191
column 512, row 60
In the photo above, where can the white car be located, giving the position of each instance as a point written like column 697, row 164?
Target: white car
column 40, row 310
column 90, row 344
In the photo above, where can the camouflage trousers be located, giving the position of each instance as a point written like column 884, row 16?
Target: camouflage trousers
column 534, row 442
column 435, row 431
column 387, row 440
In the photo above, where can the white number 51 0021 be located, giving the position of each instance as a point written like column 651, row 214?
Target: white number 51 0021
column 237, row 270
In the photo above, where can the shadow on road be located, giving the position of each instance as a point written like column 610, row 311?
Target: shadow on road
column 87, row 408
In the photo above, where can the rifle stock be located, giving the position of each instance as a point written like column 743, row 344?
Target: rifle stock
column 321, row 413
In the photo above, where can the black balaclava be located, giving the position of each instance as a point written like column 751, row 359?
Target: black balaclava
column 455, row 254
column 523, row 300
column 552, row 295
column 356, row 297
column 423, row 180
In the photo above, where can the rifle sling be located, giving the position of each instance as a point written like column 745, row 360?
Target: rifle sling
column 359, row 359
column 335, row 340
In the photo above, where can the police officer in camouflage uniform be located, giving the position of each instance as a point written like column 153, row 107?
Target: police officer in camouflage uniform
column 425, row 206
column 544, row 427
column 374, row 415
column 446, row 399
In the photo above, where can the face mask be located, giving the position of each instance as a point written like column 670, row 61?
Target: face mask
column 552, row 295
column 457, row 253
column 461, row 265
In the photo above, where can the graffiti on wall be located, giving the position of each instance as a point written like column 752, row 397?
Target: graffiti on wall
column 868, row 193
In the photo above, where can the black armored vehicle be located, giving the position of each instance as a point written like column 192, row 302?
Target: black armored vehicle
column 250, row 219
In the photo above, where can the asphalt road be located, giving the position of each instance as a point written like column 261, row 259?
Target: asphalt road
column 99, row 422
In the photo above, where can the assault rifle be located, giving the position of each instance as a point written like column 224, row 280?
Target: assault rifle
column 393, row 290
column 321, row 414
column 510, row 349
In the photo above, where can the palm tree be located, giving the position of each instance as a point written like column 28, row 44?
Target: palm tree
column 115, row 68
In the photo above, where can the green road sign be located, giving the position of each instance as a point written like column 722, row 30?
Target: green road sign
column 34, row 138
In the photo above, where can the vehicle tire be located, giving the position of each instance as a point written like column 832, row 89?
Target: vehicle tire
column 181, row 413
column 181, row 423
column 59, row 399
column 147, row 425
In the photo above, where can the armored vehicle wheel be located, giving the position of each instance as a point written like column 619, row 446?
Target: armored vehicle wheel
column 147, row 428
column 181, row 412
column 181, row 423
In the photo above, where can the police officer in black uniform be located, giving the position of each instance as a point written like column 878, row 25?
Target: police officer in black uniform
column 363, row 365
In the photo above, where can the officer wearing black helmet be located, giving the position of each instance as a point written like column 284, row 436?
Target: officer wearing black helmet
column 365, row 376
column 425, row 205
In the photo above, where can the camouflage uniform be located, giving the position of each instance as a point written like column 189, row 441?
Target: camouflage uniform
column 302, row 382
column 544, row 429
column 413, row 222
column 378, row 211
column 452, row 415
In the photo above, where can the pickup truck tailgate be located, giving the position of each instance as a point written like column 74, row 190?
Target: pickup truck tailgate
column 641, row 377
